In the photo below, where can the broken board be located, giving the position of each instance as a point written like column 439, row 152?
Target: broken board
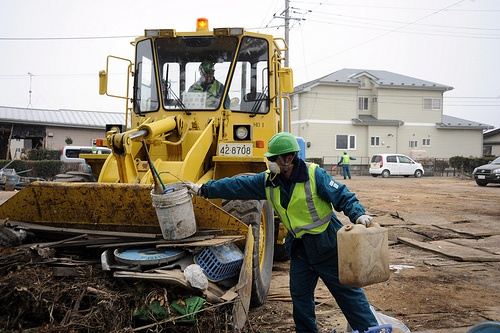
column 489, row 244
column 475, row 228
column 449, row 249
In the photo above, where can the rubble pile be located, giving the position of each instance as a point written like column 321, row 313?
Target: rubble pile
column 60, row 286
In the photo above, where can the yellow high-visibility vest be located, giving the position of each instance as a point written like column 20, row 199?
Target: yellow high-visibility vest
column 307, row 212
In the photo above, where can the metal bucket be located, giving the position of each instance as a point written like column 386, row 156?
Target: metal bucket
column 175, row 213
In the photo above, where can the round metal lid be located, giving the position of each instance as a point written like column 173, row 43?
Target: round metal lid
column 148, row 256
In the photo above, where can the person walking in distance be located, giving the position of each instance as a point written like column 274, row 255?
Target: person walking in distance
column 345, row 162
column 304, row 196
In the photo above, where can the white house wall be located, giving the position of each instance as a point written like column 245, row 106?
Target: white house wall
column 56, row 136
column 407, row 105
column 326, row 110
column 327, row 103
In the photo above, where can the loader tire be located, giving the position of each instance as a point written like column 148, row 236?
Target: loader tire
column 259, row 215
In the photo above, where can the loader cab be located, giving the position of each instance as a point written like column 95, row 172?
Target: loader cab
column 221, row 130
column 167, row 69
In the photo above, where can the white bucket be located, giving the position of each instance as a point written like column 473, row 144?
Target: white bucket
column 175, row 213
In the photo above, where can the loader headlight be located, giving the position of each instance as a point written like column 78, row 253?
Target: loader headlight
column 242, row 132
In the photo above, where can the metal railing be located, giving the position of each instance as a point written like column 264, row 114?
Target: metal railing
column 433, row 167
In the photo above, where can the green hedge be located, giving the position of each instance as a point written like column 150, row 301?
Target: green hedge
column 37, row 163
column 43, row 154
column 466, row 165
column 315, row 160
column 38, row 169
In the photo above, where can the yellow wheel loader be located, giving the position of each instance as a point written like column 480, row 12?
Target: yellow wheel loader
column 188, row 132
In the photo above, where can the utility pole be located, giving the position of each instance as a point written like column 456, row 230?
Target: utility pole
column 287, row 53
column 31, row 77
column 287, row 29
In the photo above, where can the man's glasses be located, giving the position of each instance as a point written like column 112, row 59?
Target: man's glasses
column 272, row 158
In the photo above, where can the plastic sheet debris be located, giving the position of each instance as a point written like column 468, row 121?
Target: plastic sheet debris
column 399, row 268
column 188, row 308
column 194, row 274
column 386, row 328
column 396, row 325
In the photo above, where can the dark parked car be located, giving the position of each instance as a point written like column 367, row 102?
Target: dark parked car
column 488, row 173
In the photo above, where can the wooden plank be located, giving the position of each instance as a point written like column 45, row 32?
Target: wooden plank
column 451, row 250
column 123, row 243
column 198, row 238
column 217, row 241
column 64, row 271
column 473, row 228
column 491, row 313
column 45, row 228
column 489, row 244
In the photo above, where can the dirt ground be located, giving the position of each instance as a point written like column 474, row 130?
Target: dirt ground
column 438, row 293
column 432, row 291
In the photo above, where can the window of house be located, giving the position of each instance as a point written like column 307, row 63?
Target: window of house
column 375, row 141
column 295, row 101
column 432, row 103
column 345, row 142
column 413, row 144
column 487, row 150
column 426, row 142
column 363, row 103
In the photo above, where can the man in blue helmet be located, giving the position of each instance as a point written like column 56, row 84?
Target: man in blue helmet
column 303, row 196
column 209, row 84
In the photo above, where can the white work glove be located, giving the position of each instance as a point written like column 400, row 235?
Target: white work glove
column 192, row 187
column 365, row 220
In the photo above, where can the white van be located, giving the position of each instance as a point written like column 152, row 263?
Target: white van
column 70, row 154
column 394, row 165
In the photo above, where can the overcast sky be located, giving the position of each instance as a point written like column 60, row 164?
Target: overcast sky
column 57, row 47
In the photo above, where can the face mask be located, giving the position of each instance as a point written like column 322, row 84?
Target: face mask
column 274, row 167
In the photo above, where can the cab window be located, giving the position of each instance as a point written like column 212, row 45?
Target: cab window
column 249, row 84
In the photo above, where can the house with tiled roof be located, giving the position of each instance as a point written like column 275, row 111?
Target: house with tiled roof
column 367, row 112
column 27, row 128
column 491, row 142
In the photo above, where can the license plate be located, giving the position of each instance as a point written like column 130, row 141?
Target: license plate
column 481, row 177
column 235, row 149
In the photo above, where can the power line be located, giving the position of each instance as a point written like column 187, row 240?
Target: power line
column 401, row 8
column 15, row 39
column 391, row 25
column 389, row 32
column 400, row 22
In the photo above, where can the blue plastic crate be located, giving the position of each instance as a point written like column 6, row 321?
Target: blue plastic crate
column 387, row 328
column 220, row 262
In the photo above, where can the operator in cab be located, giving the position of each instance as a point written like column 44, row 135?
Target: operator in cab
column 304, row 196
column 208, row 84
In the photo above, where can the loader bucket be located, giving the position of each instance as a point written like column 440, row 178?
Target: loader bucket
column 128, row 208
column 105, row 206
